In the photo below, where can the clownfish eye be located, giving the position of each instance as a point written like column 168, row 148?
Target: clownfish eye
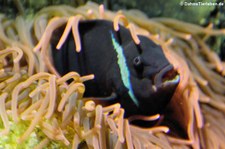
column 137, row 61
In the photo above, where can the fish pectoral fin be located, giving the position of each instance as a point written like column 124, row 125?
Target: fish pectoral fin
column 113, row 96
column 103, row 100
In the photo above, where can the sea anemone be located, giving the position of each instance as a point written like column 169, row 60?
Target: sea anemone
column 40, row 109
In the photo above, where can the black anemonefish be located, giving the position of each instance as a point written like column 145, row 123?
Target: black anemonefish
column 139, row 77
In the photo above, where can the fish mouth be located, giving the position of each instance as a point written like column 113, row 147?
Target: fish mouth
column 167, row 77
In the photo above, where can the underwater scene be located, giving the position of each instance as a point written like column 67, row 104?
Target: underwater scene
column 110, row 74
